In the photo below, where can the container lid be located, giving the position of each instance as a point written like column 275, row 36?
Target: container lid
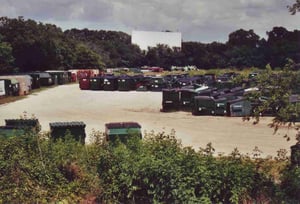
column 67, row 124
column 118, row 125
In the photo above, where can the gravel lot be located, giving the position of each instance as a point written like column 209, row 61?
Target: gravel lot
column 95, row 108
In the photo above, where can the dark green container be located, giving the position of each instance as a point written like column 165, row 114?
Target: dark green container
column 204, row 105
column 59, row 77
column 25, row 124
column 126, row 83
column 6, row 131
column 187, row 99
column 220, row 106
column 96, row 83
column 122, row 131
column 45, row 79
column 35, row 80
column 60, row 129
column 18, row 127
column 239, row 108
column 170, row 100
column 110, row 83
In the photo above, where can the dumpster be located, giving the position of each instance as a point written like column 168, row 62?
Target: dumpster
column 59, row 77
column 220, row 106
column 84, row 83
column 126, row 83
column 157, row 84
column 138, row 81
column 170, row 100
column 6, row 131
column 35, row 80
column 25, row 124
column 58, row 130
column 203, row 105
column 144, row 84
column 122, row 131
column 96, row 83
column 14, row 87
column 187, row 99
column 23, row 84
column 239, row 107
column 18, row 127
column 207, row 105
column 110, row 83
column 45, row 79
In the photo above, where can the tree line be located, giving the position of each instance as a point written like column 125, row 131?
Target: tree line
column 27, row 45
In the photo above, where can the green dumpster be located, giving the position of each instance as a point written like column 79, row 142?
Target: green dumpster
column 96, row 83
column 170, row 100
column 126, row 83
column 207, row 105
column 60, row 129
column 122, row 131
column 239, row 107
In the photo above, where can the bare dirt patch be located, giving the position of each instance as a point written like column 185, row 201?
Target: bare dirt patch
column 95, row 108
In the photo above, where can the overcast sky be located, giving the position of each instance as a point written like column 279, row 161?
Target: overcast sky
column 197, row 20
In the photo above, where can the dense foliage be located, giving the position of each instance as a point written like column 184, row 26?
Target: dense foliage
column 28, row 45
column 277, row 96
column 6, row 58
column 38, row 46
column 243, row 49
column 157, row 169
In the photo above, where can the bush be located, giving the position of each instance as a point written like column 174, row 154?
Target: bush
column 157, row 169
column 290, row 185
column 160, row 170
column 35, row 169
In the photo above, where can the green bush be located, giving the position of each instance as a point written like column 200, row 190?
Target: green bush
column 160, row 170
column 35, row 169
column 157, row 169
column 290, row 185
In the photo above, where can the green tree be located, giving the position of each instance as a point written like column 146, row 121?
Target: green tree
column 243, row 49
column 275, row 96
column 6, row 58
column 85, row 58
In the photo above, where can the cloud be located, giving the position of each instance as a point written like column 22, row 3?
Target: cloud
column 205, row 20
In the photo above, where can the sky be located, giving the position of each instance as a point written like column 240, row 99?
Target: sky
column 198, row 20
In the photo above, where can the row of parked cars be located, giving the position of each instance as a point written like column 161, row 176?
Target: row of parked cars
column 76, row 129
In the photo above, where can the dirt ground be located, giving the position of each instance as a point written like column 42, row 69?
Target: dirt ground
column 95, row 108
